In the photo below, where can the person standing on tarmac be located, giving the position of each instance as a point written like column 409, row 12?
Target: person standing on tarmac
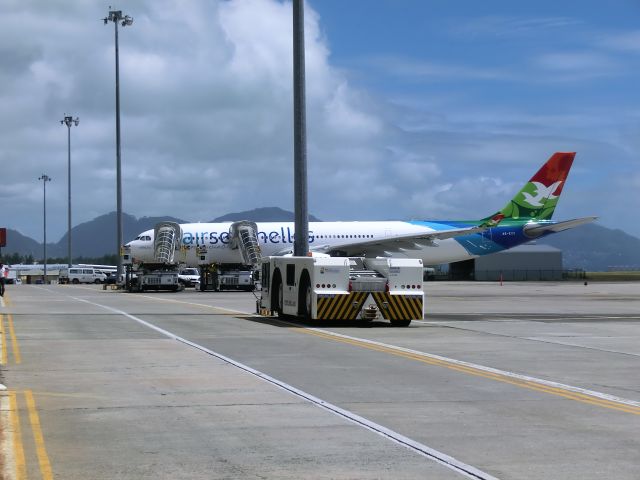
column 3, row 273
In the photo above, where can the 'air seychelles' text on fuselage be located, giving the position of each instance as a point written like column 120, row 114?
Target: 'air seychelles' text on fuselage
column 285, row 235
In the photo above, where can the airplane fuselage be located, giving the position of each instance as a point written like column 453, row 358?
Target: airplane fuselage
column 276, row 238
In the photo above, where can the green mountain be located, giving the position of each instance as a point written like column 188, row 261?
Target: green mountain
column 595, row 248
column 91, row 239
column 265, row 214
column 21, row 244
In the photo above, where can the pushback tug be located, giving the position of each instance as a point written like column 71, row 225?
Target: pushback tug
column 343, row 288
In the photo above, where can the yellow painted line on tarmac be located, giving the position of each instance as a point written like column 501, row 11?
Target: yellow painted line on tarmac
column 14, row 341
column 18, row 449
column 558, row 391
column 43, row 458
column 4, row 357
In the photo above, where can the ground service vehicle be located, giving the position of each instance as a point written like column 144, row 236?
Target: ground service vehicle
column 226, row 277
column 236, row 275
column 240, row 279
column 78, row 275
column 343, row 288
column 162, row 272
column 189, row 277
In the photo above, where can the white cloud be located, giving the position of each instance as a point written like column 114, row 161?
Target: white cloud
column 429, row 70
column 581, row 63
column 511, row 26
column 207, row 129
column 626, row 42
column 206, row 108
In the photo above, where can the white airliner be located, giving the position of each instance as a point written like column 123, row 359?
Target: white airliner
column 525, row 217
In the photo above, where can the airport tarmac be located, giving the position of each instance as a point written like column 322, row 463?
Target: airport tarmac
column 513, row 381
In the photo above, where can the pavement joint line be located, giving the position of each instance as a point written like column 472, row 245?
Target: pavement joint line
column 443, row 459
column 447, row 324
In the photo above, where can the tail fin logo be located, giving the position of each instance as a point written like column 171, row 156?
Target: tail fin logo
column 541, row 194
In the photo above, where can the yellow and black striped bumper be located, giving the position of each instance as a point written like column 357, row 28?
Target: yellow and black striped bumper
column 399, row 307
column 340, row 306
column 348, row 306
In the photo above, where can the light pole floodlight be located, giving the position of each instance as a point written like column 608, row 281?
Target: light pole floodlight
column 116, row 16
column 69, row 120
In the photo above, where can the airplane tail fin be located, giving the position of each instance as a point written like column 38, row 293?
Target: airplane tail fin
column 539, row 197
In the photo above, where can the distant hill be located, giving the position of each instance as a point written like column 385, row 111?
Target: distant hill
column 98, row 236
column 18, row 243
column 590, row 247
column 266, row 214
column 595, row 248
column 94, row 238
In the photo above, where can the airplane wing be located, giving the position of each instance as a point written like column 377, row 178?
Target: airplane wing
column 390, row 244
column 537, row 229
column 398, row 242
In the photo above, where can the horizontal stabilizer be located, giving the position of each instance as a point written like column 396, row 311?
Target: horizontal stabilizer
column 536, row 229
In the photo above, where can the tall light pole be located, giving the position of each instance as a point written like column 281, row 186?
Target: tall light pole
column 45, row 178
column 301, row 240
column 116, row 17
column 68, row 120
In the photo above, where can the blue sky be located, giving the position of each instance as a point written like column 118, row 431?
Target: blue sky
column 416, row 109
column 563, row 71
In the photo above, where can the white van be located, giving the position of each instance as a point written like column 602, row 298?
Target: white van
column 77, row 275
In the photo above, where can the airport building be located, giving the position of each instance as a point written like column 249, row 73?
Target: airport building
column 529, row 262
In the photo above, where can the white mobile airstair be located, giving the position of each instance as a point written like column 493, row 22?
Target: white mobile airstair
column 244, row 237
column 167, row 239
column 162, row 274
